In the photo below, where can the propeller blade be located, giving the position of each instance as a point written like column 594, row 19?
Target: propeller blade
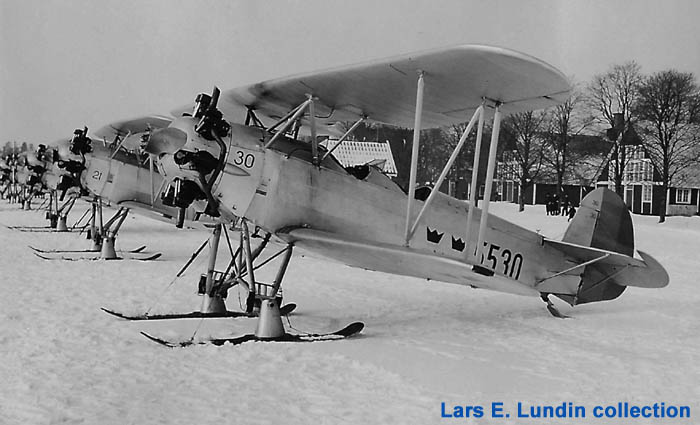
column 167, row 140
column 214, row 98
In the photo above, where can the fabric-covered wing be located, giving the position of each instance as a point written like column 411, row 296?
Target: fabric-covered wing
column 130, row 126
column 456, row 80
column 398, row 260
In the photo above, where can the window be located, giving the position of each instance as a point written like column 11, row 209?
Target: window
column 648, row 170
column 646, row 193
column 682, row 196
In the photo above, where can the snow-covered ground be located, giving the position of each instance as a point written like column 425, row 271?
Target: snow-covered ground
column 63, row 361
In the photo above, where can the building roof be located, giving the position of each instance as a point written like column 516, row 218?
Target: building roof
column 688, row 178
column 353, row 152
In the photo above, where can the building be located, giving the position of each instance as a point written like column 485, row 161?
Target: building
column 590, row 153
column 352, row 152
column 642, row 187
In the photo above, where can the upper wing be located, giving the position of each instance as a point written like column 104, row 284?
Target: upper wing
column 456, row 80
column 131, row 126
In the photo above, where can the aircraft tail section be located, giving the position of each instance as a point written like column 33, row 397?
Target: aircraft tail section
column 602, row 230
column 602, row 221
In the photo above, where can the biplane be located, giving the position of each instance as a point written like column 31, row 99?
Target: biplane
column 253, row 153
column 67, row 167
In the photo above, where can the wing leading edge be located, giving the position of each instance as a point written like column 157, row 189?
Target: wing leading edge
column 456, row 80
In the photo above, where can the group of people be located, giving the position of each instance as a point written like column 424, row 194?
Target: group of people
column 557, row 206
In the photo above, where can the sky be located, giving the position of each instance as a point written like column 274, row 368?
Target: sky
column 65, row 64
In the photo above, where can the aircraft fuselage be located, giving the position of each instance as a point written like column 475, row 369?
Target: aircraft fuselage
column 279, row 189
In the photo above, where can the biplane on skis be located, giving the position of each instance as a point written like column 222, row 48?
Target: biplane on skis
column 58, row 169
column 55, row 169
column 241, row 151
column 124, row 180
column 10, row 167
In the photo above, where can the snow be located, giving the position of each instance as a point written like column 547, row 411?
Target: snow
column 66, row 362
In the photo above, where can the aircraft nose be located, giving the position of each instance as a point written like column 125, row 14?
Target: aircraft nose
column 166, row 140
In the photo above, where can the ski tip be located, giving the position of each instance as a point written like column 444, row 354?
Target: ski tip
column 152, row 257
column 287, row 308
column 351, row 329
column 158, row 340
column 113, row 313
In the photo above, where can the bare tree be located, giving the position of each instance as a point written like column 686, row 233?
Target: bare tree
column 612, row 96
column 669, row 113
column 526, row 159
column 565, row 122
column 434, row 151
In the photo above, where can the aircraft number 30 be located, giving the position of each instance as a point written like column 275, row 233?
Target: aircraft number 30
column 503, row 260
column 241, row 158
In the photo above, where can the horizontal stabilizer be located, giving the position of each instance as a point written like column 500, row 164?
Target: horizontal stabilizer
column 586, row 254
column 628, row 271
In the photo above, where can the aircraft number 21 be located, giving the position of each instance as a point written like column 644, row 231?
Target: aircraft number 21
column 511, row 263
column 245, row 159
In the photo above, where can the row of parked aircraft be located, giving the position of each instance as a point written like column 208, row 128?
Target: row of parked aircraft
column 250, row 157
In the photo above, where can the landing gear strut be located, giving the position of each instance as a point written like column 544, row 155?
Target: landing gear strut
column 215, row 284
column 269, row 326
column 104, row 235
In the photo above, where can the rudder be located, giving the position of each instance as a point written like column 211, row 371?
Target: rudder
column 602, row 221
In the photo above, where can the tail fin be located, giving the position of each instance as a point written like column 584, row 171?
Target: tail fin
column 602, row 221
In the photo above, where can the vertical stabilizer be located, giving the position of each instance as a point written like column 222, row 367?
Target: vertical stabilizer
column 602, row 221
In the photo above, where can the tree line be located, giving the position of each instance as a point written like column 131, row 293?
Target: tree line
column 11, row 147
column 663, row 108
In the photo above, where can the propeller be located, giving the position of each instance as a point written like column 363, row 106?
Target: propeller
column 210, row 127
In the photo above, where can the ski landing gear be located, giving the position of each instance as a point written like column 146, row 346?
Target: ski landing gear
column 269, row 326
column 214, row 284
column 62, row 215
column 103, row 237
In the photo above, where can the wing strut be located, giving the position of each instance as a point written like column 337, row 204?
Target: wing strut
column 475, row 175
column 295, row 114
column 345, row 136
column 477, row 115
column 414, row 154
column 314, row 140
column 489, row 177
column 119, row 145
